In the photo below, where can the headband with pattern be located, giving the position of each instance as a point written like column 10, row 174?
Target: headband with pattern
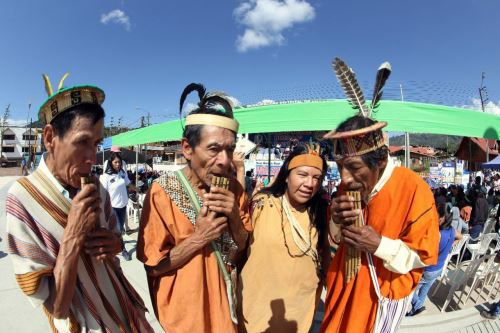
column 65, row 98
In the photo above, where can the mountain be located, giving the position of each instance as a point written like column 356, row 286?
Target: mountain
column 444, row 142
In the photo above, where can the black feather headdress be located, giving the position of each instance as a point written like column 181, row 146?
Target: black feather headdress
column 214, row 103
column 208, row 101
column 383, row 73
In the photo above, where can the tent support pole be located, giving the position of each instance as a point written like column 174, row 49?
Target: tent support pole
column 269, row 157
column 136, row 165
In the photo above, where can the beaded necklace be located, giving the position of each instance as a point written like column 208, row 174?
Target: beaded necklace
column 298, row 235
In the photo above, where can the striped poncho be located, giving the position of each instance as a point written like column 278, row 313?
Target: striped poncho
column 104, row 301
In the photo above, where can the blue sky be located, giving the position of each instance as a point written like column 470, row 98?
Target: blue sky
column 143, row 53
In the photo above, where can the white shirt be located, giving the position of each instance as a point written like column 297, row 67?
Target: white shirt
column 116, row 185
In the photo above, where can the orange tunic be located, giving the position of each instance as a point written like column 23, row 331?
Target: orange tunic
column 192, row 298
column 403, row 209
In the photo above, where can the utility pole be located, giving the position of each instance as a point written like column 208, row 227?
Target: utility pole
column 29, row 140
column 149, row 119
column 483, row 96
column 4, row 124
column 119, row 125
column 407, row 135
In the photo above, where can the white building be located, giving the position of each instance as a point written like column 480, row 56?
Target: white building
column 18, row 141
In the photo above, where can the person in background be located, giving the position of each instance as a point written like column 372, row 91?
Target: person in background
column 23, row 166
column 239, row 167
column 479, row 216
column 441, row 196
column 493, row 312
column 249, row 183
column 115, row 181
column 456, row 221
column 491, row 198
column 431, row 273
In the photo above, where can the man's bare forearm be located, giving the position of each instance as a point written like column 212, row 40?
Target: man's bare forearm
column 65, row 273
column 178, row 256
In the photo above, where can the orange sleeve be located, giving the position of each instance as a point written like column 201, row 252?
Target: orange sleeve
column 155, row 240
column 242, row 198
column 421, row 233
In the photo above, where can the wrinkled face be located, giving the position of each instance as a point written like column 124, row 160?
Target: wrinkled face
column 302, row 184
column 73, row 155
column 213, row 155
column 116, row 164
column 357, row 176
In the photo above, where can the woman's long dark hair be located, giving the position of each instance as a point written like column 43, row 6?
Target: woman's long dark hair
column 443, row 211
column 109, row 167
column 316, row 207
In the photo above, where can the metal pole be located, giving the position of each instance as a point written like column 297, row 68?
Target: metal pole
column 269, row 156
column 136, row 165
column 407, row 136
column 483, row 97
column 29, row 138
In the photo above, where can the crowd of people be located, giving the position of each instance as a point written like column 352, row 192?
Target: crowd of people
column 217, row 257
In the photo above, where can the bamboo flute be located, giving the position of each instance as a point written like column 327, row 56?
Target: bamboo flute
column 353, row 255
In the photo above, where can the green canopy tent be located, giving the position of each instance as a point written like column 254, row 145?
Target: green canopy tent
column 328, row 114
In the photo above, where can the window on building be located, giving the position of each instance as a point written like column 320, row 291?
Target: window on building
column 9, row 136
column 7, row 149
column 26, row 149
column 27, row 137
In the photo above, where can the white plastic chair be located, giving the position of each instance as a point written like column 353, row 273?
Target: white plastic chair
column 489, row 225
column 458, row 278
column 134, row 214
column 493, row 275
column 481, row 275
column 455, row 251
column 480, row 248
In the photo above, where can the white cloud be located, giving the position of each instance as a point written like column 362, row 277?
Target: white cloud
column 234, row 101
column 266, row 102
column 490, row 107
column 265, row 21
column 14, row 122
column 116, row 16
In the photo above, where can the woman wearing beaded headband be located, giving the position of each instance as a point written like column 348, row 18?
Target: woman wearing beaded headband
column 281, row 278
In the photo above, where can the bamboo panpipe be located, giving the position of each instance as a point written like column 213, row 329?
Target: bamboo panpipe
column 84, row 181
column 353, row 255
column 221, row 182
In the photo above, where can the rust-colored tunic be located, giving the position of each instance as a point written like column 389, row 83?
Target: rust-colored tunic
column 403, row 209
column 192, row 298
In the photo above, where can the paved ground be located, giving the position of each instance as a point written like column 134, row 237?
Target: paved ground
column 15, row 309
column 14, row 171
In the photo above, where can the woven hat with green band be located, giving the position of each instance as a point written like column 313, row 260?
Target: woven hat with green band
column 66, row 98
